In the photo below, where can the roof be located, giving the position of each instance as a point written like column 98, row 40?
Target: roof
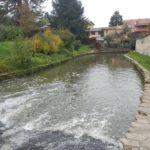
column 145, row 21
column 113, row 28
column 106, row 28
column 96, row 29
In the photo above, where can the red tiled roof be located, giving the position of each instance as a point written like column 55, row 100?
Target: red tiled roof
column 145, row 21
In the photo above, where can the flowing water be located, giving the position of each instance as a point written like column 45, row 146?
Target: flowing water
column 85, row 104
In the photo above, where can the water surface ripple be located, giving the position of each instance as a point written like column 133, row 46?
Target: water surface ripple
column 85, row 104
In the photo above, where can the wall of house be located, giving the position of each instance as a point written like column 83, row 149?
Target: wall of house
column 96, row 35
column 93, row 35
column 143, row 45
column 111, row 31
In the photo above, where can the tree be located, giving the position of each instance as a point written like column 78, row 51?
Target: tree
column 11, row 7
column 26, row 20
column 116, row 19
column 68, row 14
column 126, row 28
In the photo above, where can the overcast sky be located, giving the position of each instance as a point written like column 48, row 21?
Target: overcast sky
column 100, row 11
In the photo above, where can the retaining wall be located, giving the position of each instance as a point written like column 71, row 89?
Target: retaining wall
column 138, row 135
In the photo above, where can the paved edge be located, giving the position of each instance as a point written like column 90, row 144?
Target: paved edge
column 138, row 135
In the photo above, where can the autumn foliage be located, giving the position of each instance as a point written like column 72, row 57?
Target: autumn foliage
column 26, row 18
column 46, row 42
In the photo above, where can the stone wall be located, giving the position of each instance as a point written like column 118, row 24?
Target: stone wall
column 143, row 45
column 138, row 135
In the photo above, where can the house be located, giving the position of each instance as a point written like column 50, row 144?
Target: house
column 143, row 45
column 112, row 30
column 96, row 33
column 100, row 33
column 138, row 28
column 138, row 25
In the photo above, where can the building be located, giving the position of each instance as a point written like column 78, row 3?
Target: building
column 112, row 30
column 96, row 33
column 100, row 33
column 138, row 25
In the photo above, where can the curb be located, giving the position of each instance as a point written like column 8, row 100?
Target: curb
column 138, row 135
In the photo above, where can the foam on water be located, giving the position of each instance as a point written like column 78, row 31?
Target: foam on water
column 85, row 125
column 89, row 103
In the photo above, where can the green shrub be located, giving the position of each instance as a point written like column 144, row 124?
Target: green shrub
column 127, row 43
column 9, row 32
column 67, row 52
column 4, row 65
column 67, row 37
column 77, row 44
column 22, row 56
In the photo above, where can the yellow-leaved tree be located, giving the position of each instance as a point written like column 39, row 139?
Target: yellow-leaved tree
column 47, row 42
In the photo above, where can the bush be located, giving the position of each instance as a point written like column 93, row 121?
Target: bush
column 22, row 57
column 127, row 43
column 9, row 32
column 67, row 52
column 77, row 44
column 47, row 42
column 4, row 67
column 67, row 37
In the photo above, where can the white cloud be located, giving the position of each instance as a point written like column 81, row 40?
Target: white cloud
column 100, row 11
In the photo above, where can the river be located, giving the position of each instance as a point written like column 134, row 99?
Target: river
column 85, row 104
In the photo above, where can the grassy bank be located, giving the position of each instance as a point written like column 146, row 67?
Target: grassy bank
column 141, row 59
column 8, row 52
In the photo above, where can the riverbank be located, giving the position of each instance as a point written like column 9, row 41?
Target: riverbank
column 39, row 61
column 141, row 59
column 138, row 135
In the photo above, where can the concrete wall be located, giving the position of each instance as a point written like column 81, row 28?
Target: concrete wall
column 143, row 45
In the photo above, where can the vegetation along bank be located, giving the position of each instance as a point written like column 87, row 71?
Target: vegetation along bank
column 31, row 39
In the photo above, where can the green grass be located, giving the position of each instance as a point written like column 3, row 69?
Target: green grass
column 84, row 49
column 7, row 52
column 141, row 59
column 6, row 49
